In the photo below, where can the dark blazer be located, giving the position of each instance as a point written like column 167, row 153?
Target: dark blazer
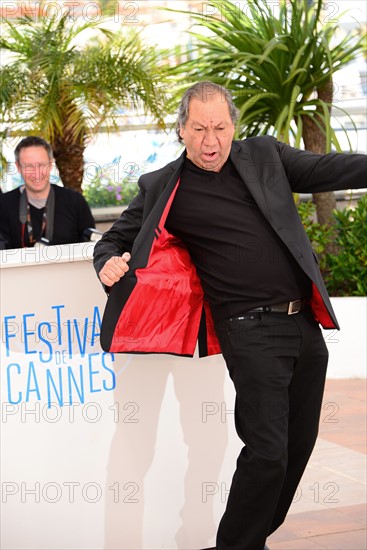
column 72, row 216
column 154, row 308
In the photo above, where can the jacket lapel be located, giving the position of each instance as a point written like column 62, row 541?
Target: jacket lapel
column 153, row 219
column 248, row 171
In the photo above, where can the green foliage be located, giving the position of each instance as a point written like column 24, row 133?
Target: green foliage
column 320, row 235
column 64, row 78
column 348, row 268
column 62, row 70
column 108, row 188
column 109, row 193
column 273, row 62
column 345, row 270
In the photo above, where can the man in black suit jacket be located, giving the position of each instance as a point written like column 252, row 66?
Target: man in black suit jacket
column 39, row 211
column 212, row 249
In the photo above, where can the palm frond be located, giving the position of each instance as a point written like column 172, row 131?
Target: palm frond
column 272, row 64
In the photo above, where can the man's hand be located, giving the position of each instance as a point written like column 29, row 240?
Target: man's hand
column 114, row 269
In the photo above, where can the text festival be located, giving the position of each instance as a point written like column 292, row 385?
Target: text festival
column 58, row 360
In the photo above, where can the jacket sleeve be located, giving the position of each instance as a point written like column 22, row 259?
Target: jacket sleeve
column 309, row 172
column 120, row 237
column 10, row 233
column 4, row 236
column 85, row 217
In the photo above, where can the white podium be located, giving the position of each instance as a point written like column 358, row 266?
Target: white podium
column 113, row 452
column 102, row 451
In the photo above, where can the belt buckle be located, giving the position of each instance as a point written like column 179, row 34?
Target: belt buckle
column 294, row 307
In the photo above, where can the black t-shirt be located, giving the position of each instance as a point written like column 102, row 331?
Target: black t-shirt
column 72, row 216
column 241, row 261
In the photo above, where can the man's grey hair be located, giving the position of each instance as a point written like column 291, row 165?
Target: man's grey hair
column 203, row 91
column 33, row 141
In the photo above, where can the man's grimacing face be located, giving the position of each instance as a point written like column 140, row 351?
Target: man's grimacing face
column 208, row 132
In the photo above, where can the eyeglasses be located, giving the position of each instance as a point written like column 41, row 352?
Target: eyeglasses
column 35, row 166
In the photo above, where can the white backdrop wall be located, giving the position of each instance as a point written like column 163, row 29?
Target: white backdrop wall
column 112, row 452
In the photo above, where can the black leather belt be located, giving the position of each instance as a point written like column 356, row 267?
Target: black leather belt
column 290, row 308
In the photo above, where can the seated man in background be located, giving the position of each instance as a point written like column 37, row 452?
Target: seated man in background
column 38, row 210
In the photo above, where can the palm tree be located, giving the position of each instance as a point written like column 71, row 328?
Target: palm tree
column 63, row 85
column 278, row 67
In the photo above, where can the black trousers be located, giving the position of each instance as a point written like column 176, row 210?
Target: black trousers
column 278, row 366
